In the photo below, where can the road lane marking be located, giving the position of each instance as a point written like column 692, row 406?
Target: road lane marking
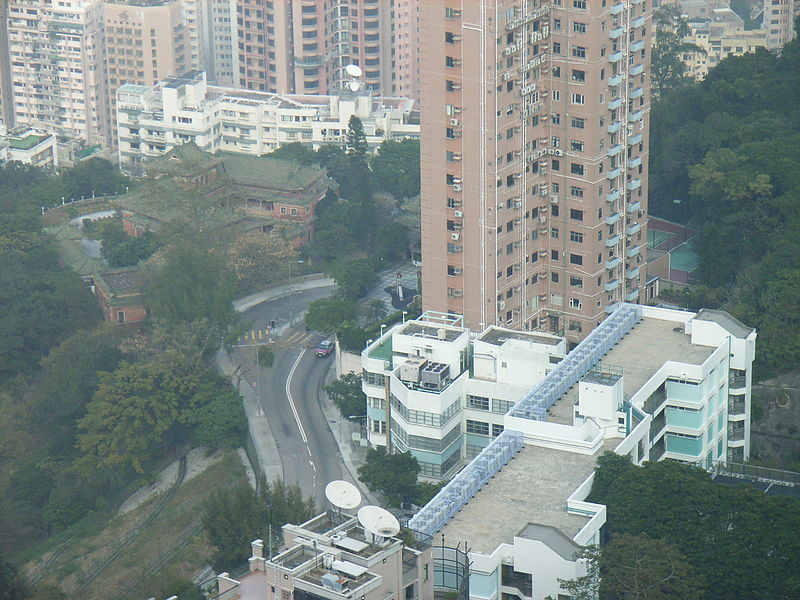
column 291, row 402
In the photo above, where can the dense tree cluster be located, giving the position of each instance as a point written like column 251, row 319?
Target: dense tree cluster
column 738, row 541
column 233, row 518
column 395, row 476
column 728, row 149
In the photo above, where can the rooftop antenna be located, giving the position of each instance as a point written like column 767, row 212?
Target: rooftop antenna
column 342, row 494
column 354, row 71
column 378, row 522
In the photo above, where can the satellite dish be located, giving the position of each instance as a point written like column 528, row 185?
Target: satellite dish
column 378, row 521
column 343, row 494
column 354, row 70
column 354, row 86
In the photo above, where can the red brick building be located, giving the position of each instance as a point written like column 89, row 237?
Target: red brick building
column 119, row 294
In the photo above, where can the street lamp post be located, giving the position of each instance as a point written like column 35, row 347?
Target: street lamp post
column 685, row 216
column 291, row 291
column 405, row 312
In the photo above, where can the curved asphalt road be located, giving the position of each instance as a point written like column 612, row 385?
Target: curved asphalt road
column 290, row 392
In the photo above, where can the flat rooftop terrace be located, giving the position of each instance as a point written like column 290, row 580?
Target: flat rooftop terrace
column 431, row 332
column 498, row 336
column 532, row 488
column 650, row 344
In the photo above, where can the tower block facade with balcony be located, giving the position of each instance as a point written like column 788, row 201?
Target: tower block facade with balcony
column 534, row 160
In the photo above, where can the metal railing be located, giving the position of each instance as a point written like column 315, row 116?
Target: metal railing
column 755, row 472
column 432, row 517
column 588, row 353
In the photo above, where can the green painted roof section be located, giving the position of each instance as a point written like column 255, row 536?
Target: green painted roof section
column 382, row 350
column 269, row 172
column 27, row 142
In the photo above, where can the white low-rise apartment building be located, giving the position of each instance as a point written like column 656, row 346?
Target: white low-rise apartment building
column 29, row 146
column 151, row 120
column 650, row 383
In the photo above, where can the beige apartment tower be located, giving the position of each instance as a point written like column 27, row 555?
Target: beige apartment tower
column 534, row 160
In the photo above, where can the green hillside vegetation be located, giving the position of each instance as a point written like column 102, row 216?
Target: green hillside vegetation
column 730, row 145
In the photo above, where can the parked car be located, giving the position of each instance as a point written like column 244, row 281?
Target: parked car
column 324, row 348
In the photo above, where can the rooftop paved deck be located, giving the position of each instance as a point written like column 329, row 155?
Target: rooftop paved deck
column 532, row 488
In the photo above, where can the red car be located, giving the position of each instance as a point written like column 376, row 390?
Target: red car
column 325, row 348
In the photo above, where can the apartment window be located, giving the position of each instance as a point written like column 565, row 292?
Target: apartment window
column 575, row 236
column 554, row 277
column 477, row 402
column 575, row 281
column 450, row 61
column 452, row 13
column 497, row 429
column 477, row 427
column 556, row 117
column 578, row 98
column 576, row 214
column 576, row 259
column 576, row 145
column 554, row 233
column 501, row 406
column 576, row 169
column 576, row 192
column 579, row 52
column 578, row 27
column 556, row 48
column 556, row 71
column 449, row 37
column 578, row 123
column 578, row 75
column 556, row 164
column 579, row 4
column 575, row 303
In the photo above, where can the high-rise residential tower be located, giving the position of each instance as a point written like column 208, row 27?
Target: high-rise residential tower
column 304, row 46
column 55, row 51
column 534, row 159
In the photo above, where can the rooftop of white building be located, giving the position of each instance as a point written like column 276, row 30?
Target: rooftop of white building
column 531, row 488
column 497, row 336
column 639, row 354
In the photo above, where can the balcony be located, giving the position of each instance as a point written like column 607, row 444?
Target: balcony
column 616, row 57
column 736, row 408
column 612, row 241
column 637, row 93
column 610, row 264
column 737, row 381
column 610, row 286
column 613, row 218
column 631, row 252
column 636, row 46
column 308, row 61
column 613, row 173
column 634, row 139
column 735, row 435
column 614, row 150
column 634, row 229
column 632, row 296
column 616, row 33
column 638, row 22
column 634, row 184
column 636, row 70
column 614, row 127
column 634, row 206
column 632, row 273
column 616, row 80
column 634, row 162
column 615, row 103
column 617, row 9
column 637, row 116
column 615, row 195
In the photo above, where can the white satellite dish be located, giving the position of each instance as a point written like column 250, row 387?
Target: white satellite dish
column 354, row 70
column 378, row 521
column 343, row 494
column 354, row 85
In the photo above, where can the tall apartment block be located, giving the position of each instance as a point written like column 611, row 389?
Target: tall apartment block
column 778, row 20
column 55, row 57
column 304, row 47
column 534, row 160
column 222, row 57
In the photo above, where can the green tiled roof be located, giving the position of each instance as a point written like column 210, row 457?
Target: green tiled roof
column 268, row 172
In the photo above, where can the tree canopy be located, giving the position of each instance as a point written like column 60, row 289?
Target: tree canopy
column 396, row 168
column 728, row 148
column 737, row 539
column 393, row 475
column 347, row 395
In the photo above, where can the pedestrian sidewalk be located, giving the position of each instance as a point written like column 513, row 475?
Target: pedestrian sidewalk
column 307, row 282
column 352, row 454
column 269, row 458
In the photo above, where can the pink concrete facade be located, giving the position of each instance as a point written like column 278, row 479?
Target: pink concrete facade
column 534, row 160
